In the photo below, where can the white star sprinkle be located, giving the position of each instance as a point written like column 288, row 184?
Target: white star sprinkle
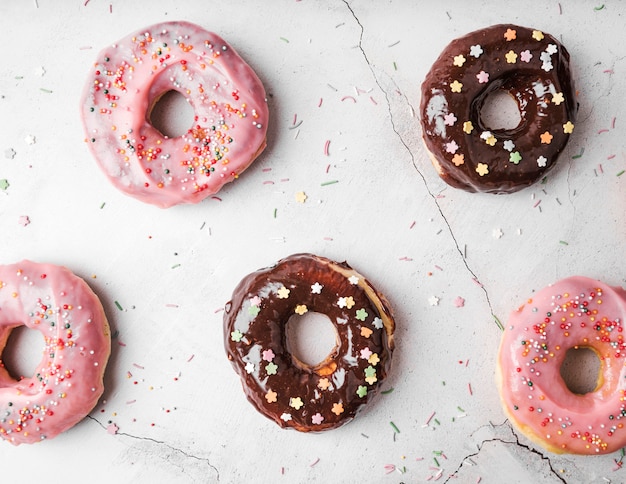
column 316, row 288
column 353, row 280
column 433, row 300
column 378, row 323
column 249, row 367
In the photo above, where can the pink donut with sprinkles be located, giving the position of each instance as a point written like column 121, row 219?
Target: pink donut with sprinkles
column 576, row 312
column 68, row 381
column 228, row 99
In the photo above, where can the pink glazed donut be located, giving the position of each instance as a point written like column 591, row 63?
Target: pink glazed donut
column 67, row 382
column 576, row 312
column 228, row 99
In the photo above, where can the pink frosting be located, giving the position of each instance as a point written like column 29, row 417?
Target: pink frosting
column 574, row 312
column 67, row 383
column 228, row 99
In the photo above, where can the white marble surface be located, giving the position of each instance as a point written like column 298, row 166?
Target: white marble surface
column 349, row 72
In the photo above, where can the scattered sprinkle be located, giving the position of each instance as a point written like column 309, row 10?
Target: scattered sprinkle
column 9, row 153
column 119, row 306
column 23, row 220
column 394, row 427
column 4, row 184
column 598, row 8
column 300, row 198
column 332, row 182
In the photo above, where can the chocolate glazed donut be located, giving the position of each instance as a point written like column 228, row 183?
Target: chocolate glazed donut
column 280, row 386
column 534, row 68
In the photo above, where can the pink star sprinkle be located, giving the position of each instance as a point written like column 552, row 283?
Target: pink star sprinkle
column 23, row 220
column 366, row 353
column 317, row 418
column 451, row 147
column 482, row 77
column 112, row 429
column 255, row 301
column 459, row 302
column 525, row 56
column 268, row 355
column 449, row 119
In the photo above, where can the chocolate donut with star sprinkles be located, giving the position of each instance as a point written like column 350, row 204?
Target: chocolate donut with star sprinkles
column 529, row 65
column 279, row 385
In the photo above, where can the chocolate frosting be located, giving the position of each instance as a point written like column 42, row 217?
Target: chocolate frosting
column 534, row 68
column 280, row 386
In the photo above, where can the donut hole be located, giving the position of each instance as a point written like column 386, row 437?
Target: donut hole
column 499, row 111
column 581, row 370
column 171, row 114
column 22, row 353
column 310, row 339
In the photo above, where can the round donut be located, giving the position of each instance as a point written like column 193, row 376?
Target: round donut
column 576, row 312
column 531, row 66
column 284, row 389
column 68, row 381
column 228, row 99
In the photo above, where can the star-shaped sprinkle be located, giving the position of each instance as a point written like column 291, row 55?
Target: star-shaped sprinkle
column 285, row 417
column 476, row 50
column 301, row 309
column 30, row 139
column 511, row 57
column 451, row 147
column 433, row 300
column 525, row 56
column 366, row 332
column 270, row 396
column 510, row 34
column 459, row 60
column 236, row 336
column 497, row 233
column 301, row 197
column 317, row 419
column 249, row 367
column 9, row 153
column 458, row 159
column 4, row 184
column 459, row 302
column 542, row 161
column 354, row 280
column 377, row 323
column 323, row 384
column 552, row 49
column 491, row 141
column 558, row 98
column 370, row 375
column 341, row 302
column 483, row 77
column 482, row 169
column 508, row 145
column 295, row 402
column 449, row 119
column 361, row 391
column 537, row 35
column 337, row 408
column 254, row 310
column 468, row 127
column 365, row 353
column 546, row 138
column 456, row 86
column 373, row 359
column 112, row 429
column 283, row 293
column 350, row 302
column 268, row 355
column 547, row 66
column 545, row 57
column 271, row 368
column 23, row 220
column 568, row 127
column 316, row 288
column 515, row 157
column 255, row 301
column 361, row 314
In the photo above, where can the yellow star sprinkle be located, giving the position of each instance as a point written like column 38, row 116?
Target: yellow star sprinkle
column 558, row 98
column 373, row 359
column 458, row 159
column 456, row 86
column 283, row 293
column 323, row 384
column 366, row 332
column 511, row 57
column 491, row 141
column 271, row 396
column 301, row 309
column 301, row 197
column 337, row 408
column 482, row 169
column 459, row 60
column 468, row 127
column 350, row 302
column 537, row 35
column 568, row 127
column 295, row 403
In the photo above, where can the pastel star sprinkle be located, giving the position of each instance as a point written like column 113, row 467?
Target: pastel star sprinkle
column 558, row 98
column 268, row 355
column 497, row 233
column 515, row 157
column 296, row 403
column 546, row 138
column 271, row 368
column 476, row 50
column 285, row 417
column 283, row 293
column 361, row 314
column 377, row 323
column 337, row 408
column 459, row 60
column 468, row 127
column 354, row 280
column 459, row 302
column 301, row 309
column 552, row 49
column 547, row 66
column 537, row 35
column 316, row 288
column 4, row 184
column 451, row 147
column 482, row 169
column 323, row 384
column 365, row 353
column 491, row 140
column 112, row 429
column 317, row 419
column 361, row 391
column 525, row 56
column 510, row 34
column 366, row 332
column 236, row 336
column 449, row 119
column 350, row 302
column 456, row 86
column 541, row 161
column 341, row 302
column 458, row 159
column 301, row 197
column 511, row 57
column 509, row 145
column 482, row 77
column 255, row 301
column 249, row 367
column 370, row 375
column 254, row 310
column 433, row 300
column 568, row 127
column 374, row 359
column 270, row 396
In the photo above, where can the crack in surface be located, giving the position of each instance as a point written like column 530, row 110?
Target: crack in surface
column 165, row 444
column 413, row 158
